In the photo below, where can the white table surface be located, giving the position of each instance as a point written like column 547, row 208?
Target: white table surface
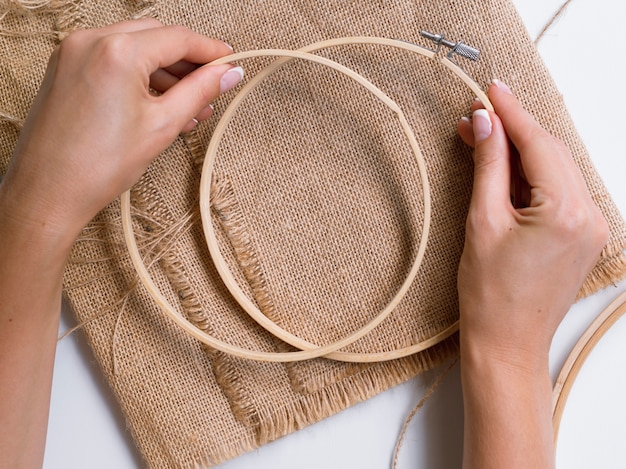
column 584, row 52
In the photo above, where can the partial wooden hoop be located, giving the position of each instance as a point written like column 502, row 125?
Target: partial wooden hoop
column 579, row 354
column 308, row 350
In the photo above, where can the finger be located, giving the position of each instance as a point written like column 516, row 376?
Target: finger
column 464, row 126
column 162, row 80
column 194, row 92
column 492, row 167
column 163, row 47
column 466, row 131
column 204, row 114
column 476, row 105
column 181, row 68
column 189, row 126
column 543, row 159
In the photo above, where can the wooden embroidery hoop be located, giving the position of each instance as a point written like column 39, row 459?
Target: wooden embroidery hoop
column 308, row 350
column 576, row 359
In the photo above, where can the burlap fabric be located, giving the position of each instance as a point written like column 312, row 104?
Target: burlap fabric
column 318, row 206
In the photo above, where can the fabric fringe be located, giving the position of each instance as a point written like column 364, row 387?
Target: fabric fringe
column 273, row 423
column 362, row 383
column 228, row 210
column 31, row 5
column 69, row 20
column 610, row 269
column 66, row 17
column 278, row 422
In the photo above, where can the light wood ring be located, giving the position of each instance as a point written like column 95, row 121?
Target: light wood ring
column 579, row 354
column 309, row 350
column 205, row 203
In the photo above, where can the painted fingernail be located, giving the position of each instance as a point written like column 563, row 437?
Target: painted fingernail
column 482, row 125
column 503, row 86
column 465, row 119
column 229, row 46
column 230, row 79
column 195, row 121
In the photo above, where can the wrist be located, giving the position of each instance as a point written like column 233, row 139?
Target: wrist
column 507, row 409
column 509, row 358
column 512, row 335
column 30, row 231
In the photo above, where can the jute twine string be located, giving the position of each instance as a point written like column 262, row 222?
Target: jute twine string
column 564, row 382
column 427, row 395
column 307, row 350
column 551, row 22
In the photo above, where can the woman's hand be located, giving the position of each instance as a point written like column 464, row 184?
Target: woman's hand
column 111, row 100
column 522, row 266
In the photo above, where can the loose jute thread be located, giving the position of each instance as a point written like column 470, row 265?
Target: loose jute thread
column 552, row 20
column 431, row 390
column 15, row 121
column 308, row 350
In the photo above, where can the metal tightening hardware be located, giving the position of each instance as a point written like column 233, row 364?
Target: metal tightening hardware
column 458, row 48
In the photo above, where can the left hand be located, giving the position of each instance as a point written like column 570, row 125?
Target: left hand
column 96, row 122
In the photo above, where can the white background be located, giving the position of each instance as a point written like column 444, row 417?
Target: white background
column 584, row 52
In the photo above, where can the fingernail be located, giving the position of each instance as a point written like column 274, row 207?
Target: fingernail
column 503, row 86
column 465, row 119
column 230, row 79
column 482, row 125
column 229, row 46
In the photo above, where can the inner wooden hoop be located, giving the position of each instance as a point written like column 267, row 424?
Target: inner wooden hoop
column 205, row 204
column 308, row 350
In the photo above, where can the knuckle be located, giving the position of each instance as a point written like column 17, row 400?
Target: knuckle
column 571, row 219
column 115, row 50
column 484, row 161
column 179, row 31
column 73, row 42
column 206, row 94
column 582, row 223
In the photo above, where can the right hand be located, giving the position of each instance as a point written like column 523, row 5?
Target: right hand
column 522, row 267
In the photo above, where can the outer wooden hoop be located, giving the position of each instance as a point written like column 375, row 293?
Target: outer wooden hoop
column 576, row 359
column 309, row 350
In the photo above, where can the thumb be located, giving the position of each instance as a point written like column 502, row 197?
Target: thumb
column 492, row 166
